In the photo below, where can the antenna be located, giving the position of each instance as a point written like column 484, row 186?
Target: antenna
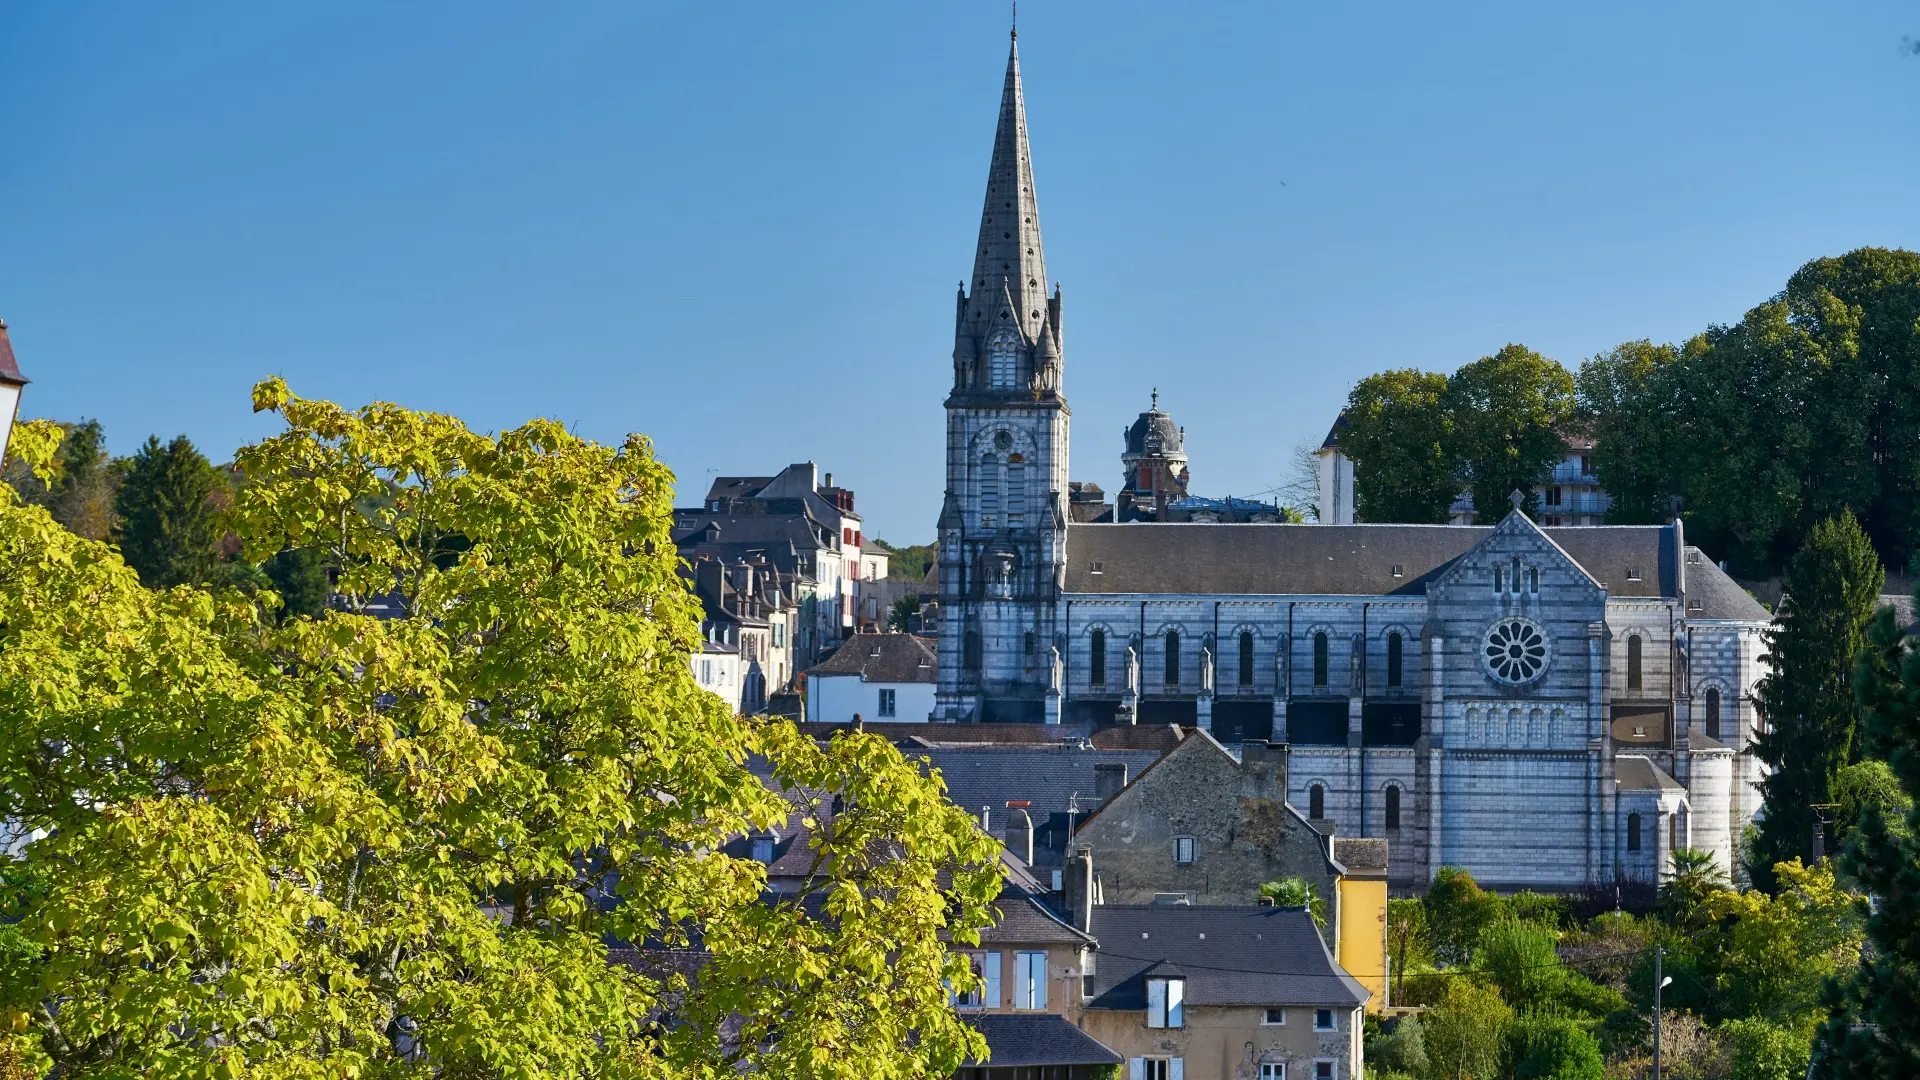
column 1016, row 20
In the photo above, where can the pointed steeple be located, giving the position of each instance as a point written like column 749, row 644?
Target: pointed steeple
column 1008, row 288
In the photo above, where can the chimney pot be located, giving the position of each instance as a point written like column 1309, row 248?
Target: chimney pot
column 1020, row 835
column 1078, row 882
column 1108, row 778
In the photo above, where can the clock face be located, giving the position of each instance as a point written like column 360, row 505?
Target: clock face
column 1002, row 441
column 1515, row 651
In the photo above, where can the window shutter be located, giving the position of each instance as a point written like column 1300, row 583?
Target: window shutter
column 990, row 974
column 1156, row 1003
column 1176, row 1069
column 1136, row 1069
column 1176, row 992
column 1039, row 980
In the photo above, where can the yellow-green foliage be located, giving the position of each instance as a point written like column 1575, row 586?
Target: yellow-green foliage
column 267, row 847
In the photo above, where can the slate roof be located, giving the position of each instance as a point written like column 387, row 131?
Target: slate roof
column 898, row 658
column 1718, row 596
column 1360, row 853
column 1228, row 955
column 1634, row 773
column 1029, row 1039
column 1023, row 920
column 9, row 368
column 918, row 734
column 1358, row 560
column 1700, row 741
column 1045, row 776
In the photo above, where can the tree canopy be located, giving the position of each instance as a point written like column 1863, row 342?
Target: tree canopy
column 1806, row 696
column 348, row 845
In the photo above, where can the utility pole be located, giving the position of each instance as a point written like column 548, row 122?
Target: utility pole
column 1659, row 984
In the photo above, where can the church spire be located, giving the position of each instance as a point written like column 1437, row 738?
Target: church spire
column 1009, row 251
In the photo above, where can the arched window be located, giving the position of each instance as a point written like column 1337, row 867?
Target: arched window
column 1394, row 648
column 1713, row 713
column 1533, row 580
column 1320, row 659
column 1393, row 806
column 989, row 491
column 1317, row 802
column 1497, row 580
column 1173, row 658
column 1002, row 360
column 1633, row 832
column 1016, row 493
column 1633, row 662
column 1097, row 656
column 970, row 651
column 1516, row 573
column 1026, row 644
column 1246, row 658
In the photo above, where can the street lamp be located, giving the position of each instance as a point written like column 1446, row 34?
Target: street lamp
column 11, row 382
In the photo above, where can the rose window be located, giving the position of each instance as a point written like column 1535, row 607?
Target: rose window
column 1516, row 650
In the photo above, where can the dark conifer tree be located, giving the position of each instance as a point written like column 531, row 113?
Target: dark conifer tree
column 168, row 529
column 1806, row 698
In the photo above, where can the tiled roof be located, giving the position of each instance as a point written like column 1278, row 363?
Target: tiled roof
column 1360, row 853
column 898, row 658
column 1634, row 773
column 1045, row 776
column 9, row 369
column 1024, row 1040
column 1718, row 596
column 1022, row 920
column 1228, row 955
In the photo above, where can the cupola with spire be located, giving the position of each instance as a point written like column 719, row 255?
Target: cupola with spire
column 1153, row 465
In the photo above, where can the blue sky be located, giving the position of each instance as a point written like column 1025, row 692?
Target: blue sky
column 738, row 227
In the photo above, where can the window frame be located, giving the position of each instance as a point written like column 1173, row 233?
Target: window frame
column 1267, row 1016
column 1713, row 712
column 1183, row 845
column 1316, row 801
column 1391, row 807
column 888, row 702
column 1170, row 645
column 1030, row 983
column 1396, row 659
column 1322, row 663
column 1273, row 1070
column 1636, row 667
column 1246, row 658
column 1634, row 831
column 1166, row 1004
column 1332, row 1024
column 1097, row 657
column 986, row 965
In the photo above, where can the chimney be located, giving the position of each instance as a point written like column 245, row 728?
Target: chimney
column 1020, row 835
column 706, row 580
column 1263, row 769
column 858, row 723
column 1079, row 889
column 986, row 819
column 829, row 480
column 1108, row 778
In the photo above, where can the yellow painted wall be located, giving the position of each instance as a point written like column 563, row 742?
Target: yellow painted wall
column 1363, row 935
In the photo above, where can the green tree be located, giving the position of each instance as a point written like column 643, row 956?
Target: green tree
column 1509, row 413
column 1806, row 696
column 1552, row 1048
column 1626, row 400
column 901, row 610
column 1466, row 1034
column 1398, row 436
column 1770, row 957
column 1457, row 910
column 1868, row 783
column 1874, row 1024
column 274, row 847
column 1695, row 878
column 1296, row 892
column 1764, row 1051
column 80, row 492
column 169, row 516
column 909, row 562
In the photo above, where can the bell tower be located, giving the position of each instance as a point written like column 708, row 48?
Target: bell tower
column 1002, row 529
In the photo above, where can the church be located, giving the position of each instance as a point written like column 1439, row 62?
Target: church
column 1550, row 708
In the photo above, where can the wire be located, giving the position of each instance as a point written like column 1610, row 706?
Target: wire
column 1448, row 972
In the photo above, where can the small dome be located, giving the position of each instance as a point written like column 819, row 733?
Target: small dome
column 1154, row 432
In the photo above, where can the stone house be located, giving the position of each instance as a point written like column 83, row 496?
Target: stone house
column 1219, row 993
column 1200, row 826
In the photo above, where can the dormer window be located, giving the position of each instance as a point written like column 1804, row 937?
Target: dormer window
column 1166, row 1003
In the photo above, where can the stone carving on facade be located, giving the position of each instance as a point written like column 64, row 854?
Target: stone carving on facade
column 1206, row 669
column 1133, row 671
column 1054, row 670
column 1356, row 664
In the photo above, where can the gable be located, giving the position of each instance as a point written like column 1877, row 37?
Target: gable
column 1521, row 558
